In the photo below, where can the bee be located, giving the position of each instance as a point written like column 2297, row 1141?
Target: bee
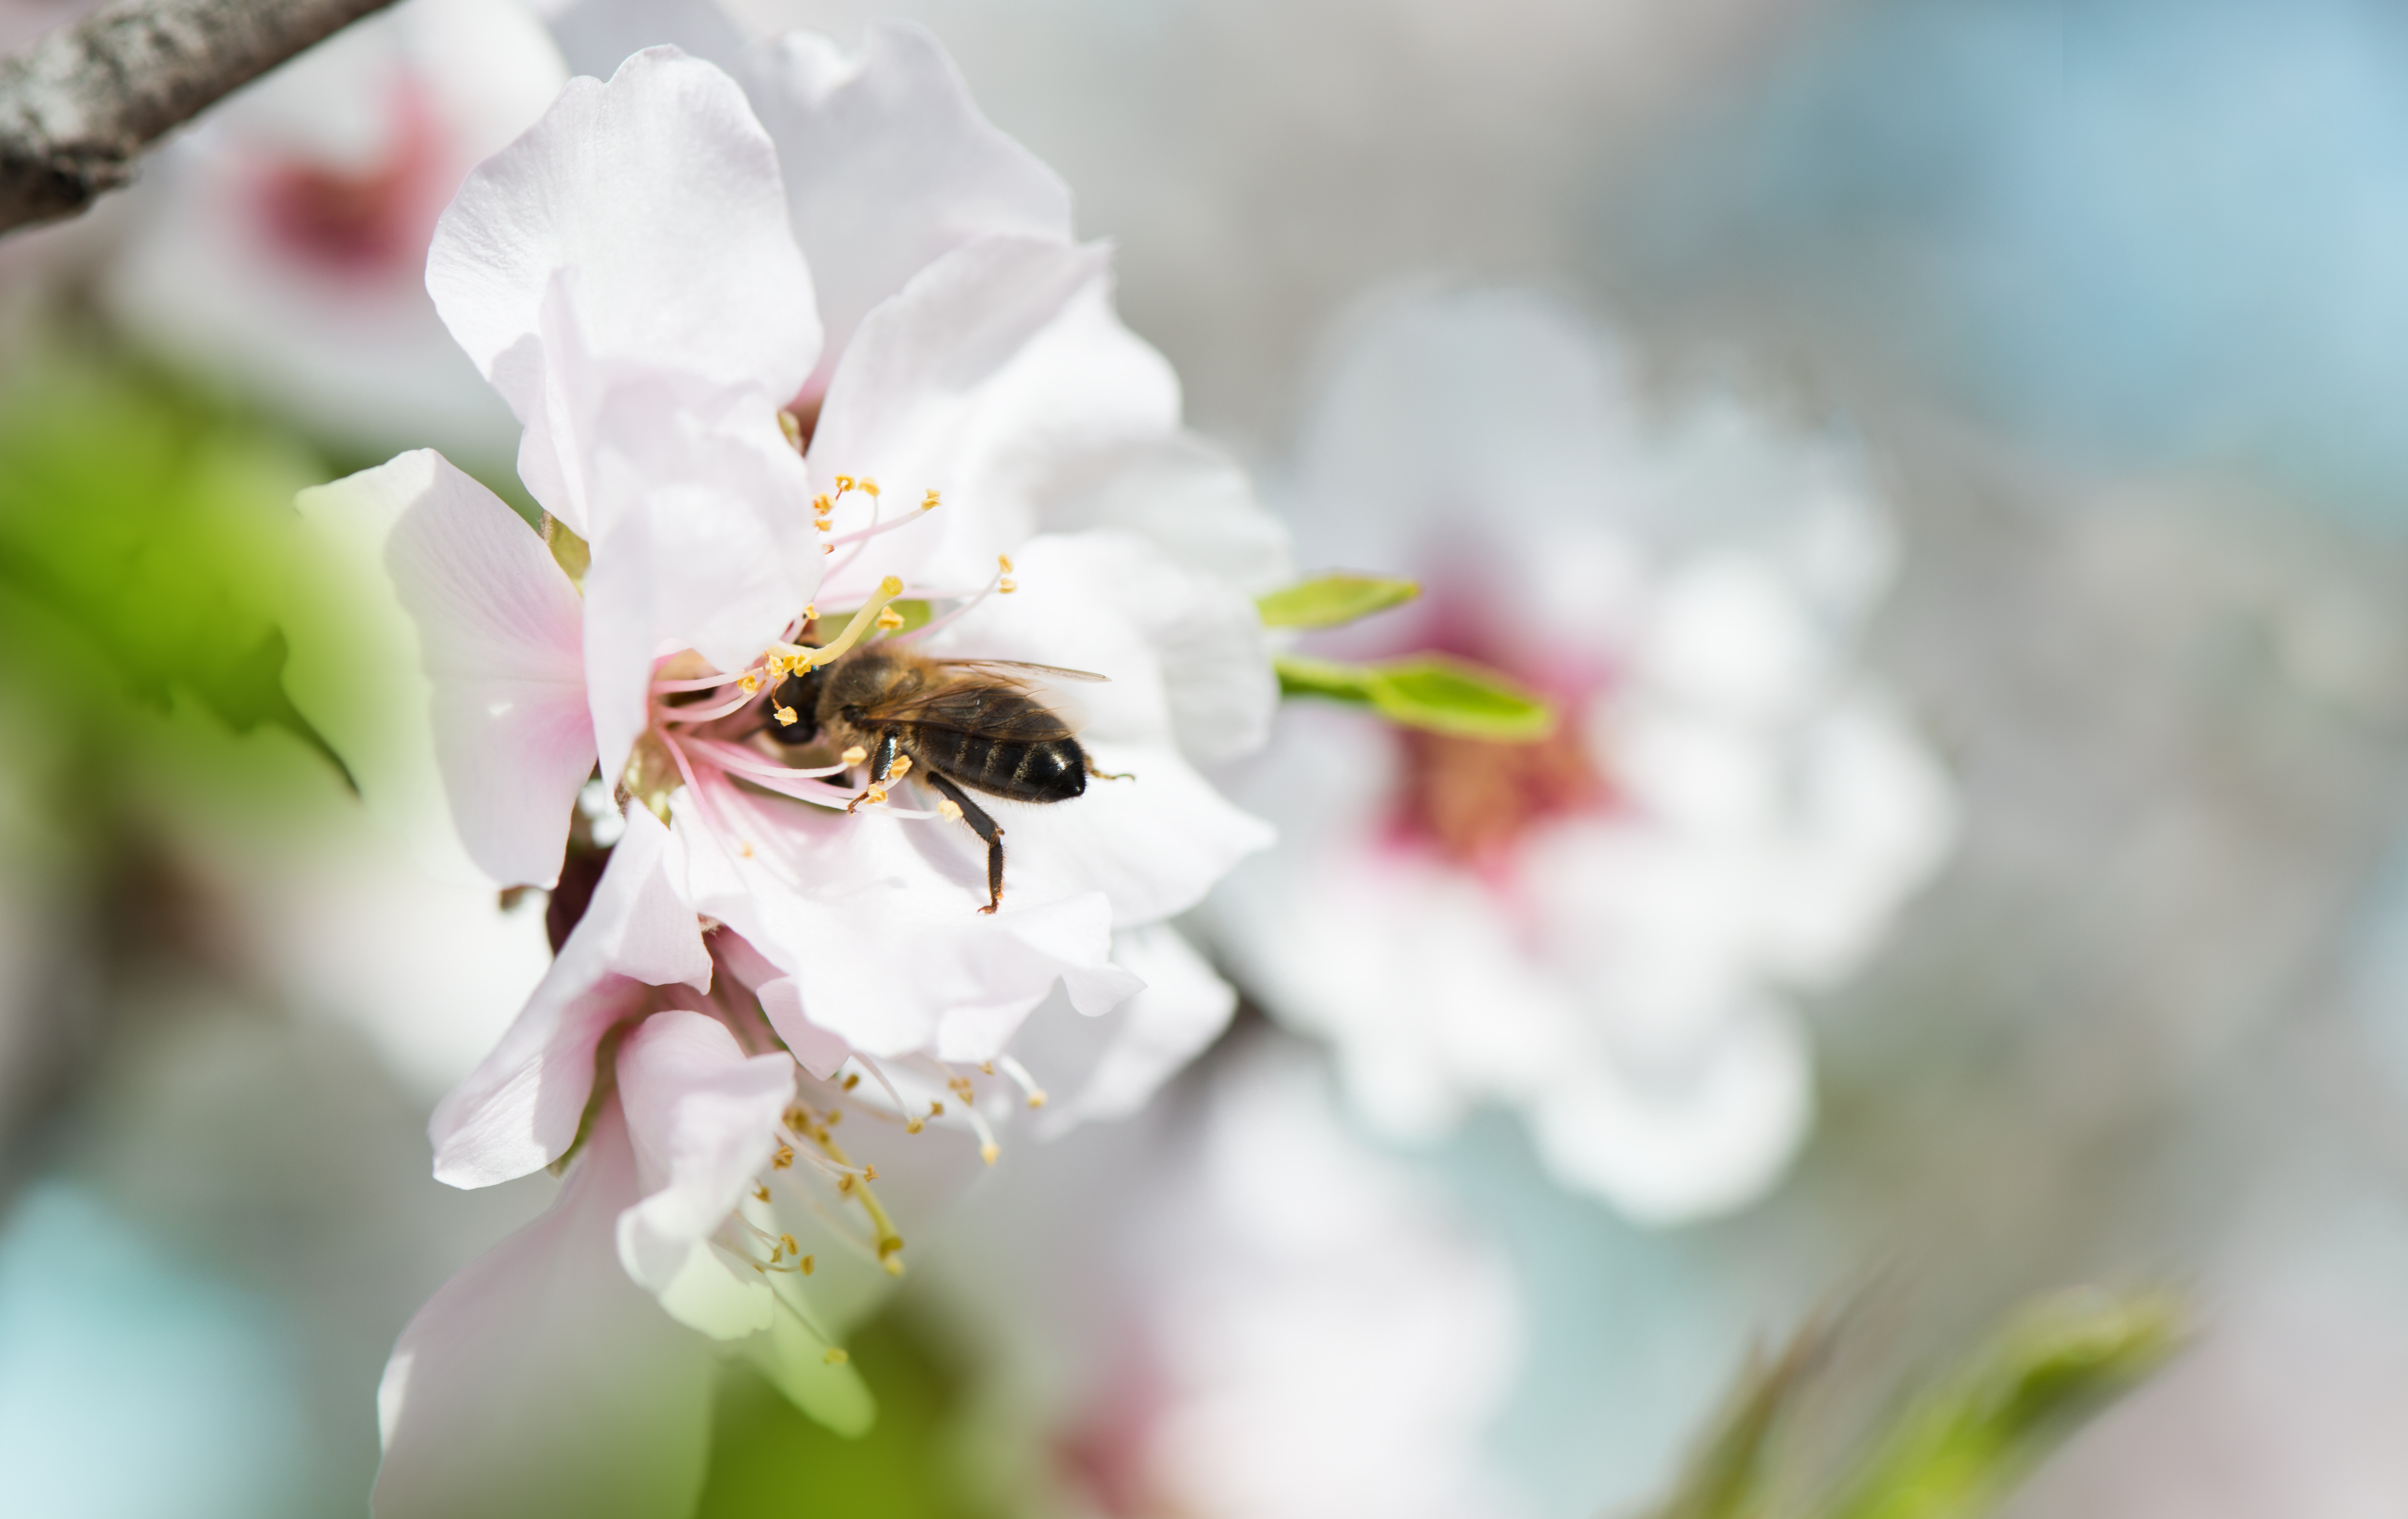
column 959, row 725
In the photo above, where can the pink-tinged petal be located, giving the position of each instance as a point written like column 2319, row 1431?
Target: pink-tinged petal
column 820, row 1051
column 889, row 166
column 432, row 558
column 700, row 540
column 704, row 1120
column 654, row 204
column 518, row 1111
column 540, row 1383
column 997, row 376
column 877, row 921
column 1121, row 1060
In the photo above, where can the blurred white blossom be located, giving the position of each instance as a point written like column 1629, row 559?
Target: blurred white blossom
column 1606, row 928
column 283, row 248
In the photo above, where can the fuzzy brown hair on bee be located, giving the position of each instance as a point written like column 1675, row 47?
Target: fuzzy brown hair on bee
column 957, row 725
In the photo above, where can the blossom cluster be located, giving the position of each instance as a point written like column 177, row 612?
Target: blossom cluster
column 808, row 364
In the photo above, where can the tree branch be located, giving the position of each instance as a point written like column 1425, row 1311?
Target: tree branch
column 77, row 106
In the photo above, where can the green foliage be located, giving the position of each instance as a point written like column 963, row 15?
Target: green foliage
column 1331, row 601
column 1952, row 1450
column 1429, row 691
column 1960, row 1450
column 767, row 1457
column 143, row 542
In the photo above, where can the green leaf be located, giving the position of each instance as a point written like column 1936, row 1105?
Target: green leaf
column 1429, row 692
column 1333, row 600
column 1959, row 1450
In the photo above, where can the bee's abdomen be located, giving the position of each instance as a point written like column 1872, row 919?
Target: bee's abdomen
column 1048, row 770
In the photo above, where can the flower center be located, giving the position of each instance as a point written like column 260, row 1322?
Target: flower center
column 354, row 221
column 1473, row 799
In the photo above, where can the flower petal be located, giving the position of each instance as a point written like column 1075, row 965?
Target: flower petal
column 653, row 206
column 1667, row 1146
column 540, row 1382
column 1143, row 1043
column 1186, row 495
column 876, row 921
column 704, row 1121
column 889, row 166
column 498, row 692
column 519, row 1110
column 997, row 376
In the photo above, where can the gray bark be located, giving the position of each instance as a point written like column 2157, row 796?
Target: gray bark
column 78, row 106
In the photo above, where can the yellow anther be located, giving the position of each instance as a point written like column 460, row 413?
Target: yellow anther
column 777, row 1254
column 986, row 1068
column 745, row 848
column 1007, row 586
column 762, row 1193
column 820, row 506
column 747, row 683
column 854, row 756
column 936, row 1110
column 900, row 767
column 1003, row 563
column 808, row 1264
column 792, row 426
column 930, row 503
column 833, row 1356
column 827, row 548
column 913, row 1125
column 836, row 1116
column 811, row 612
column 786, row 716
column 787, row 1242
column 889, row 619
column 844, row 1184
column 948, row 808
column 784, row 1157
column 989, row 1152
column 844, row 484
column 1036, row 1099
column 870, row 1174
column 875, row 795
column 852, row 1080
column 868, row 487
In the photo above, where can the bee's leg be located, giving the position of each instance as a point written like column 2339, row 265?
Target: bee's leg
column 881, row 768
column 985, row 828
column 1103, row 774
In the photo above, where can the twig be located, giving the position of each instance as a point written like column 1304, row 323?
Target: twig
column 77, row 106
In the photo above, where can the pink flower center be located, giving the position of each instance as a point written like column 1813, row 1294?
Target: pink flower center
column 1473, row 799
column 362, row 222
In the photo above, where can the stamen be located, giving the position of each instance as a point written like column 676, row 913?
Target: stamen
column 900, row 767
column 959, row 612
column 792, row 426
column 702, row 683
column 853, row 756
column 948, row 809
column 1027, row 1084
column 889, row 620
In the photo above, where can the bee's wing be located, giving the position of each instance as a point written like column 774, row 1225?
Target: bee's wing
column 992, row 709
column 1021, row 669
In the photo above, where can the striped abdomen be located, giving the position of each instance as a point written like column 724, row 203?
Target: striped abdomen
column 1010, row 746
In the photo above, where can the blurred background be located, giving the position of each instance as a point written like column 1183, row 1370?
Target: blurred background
column 2099, row 307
